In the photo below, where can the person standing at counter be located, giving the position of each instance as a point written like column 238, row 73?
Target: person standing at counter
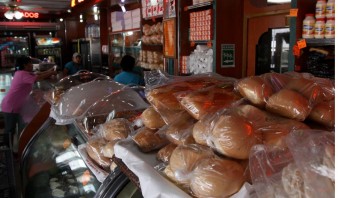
column 128, row 76
column 73, row 66
column 20, row 88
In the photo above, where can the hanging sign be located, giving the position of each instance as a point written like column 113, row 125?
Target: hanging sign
column 169, row 34
column 228, row 55
column 33, row 15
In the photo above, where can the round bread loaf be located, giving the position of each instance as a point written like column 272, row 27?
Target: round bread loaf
column 290, row 104
column 108, row 149
column 216, row 178
column 233, row 136
column 180, row 131
column 152, row 119
column 148, row 140
column 94, row 150
column 115, row 129
column 164, row 153
column 324, row 113
column 185, row 157
column 255, row 89
column 201, row 132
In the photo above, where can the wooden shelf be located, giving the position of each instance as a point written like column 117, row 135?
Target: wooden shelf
column 320, row 42
column 200, row 5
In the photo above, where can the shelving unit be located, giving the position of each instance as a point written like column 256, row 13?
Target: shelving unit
column 186, row 45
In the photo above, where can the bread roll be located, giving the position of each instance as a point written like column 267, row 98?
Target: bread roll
column 307, row 88
column 152, row 119
column 324, row 113
column 199, row 103
column 94, row 150
column 148, row 140
column 216, row 178
column 289, row 104
column 115, row 129
column 255, row 89
column 233, row 136
column 164, row 153
column 201, row 132
column 327, row 86
column 180, row 131
column 185, row 157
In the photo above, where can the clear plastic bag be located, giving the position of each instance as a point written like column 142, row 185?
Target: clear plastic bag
column 126, row 103
column 59, row 88
column 305, row 169
column 76, row 101
column 161, row 89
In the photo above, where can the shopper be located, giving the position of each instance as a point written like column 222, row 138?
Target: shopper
column 73, row 66
column 20, row 88
column 129, row 76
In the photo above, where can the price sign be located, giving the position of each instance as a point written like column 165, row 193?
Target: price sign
column 301, row 43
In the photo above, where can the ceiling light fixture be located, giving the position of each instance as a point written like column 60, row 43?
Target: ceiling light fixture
column 81, row 18
column 11, row 14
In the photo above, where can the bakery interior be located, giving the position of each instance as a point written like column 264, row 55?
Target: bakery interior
column 238, row 101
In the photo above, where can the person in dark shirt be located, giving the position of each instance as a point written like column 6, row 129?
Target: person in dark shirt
column 128, row 76
column 73, row 66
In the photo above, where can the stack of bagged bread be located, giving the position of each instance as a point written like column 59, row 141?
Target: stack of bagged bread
column 203, row 127
column 297, row 96
column 100, row 147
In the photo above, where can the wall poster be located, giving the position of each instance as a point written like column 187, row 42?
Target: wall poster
column 228, row 55
column 169, row 34
column 169, row 10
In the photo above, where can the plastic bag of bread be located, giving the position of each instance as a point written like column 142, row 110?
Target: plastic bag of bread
column 277, row 80
column 161, row 89
column 266, row 166
column 179, row 131
column 290, row 104
column 152, row 119
column 115, row 129
column 209, row 100
column 216, row 177
column 314, row 154
column 148, row 140
column 94, row 149
column 255, row 89
column 164, row 153
column 324, row 113
column 184, row 159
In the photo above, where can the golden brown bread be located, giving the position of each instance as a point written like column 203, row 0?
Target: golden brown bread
column 233, row 136
column 216, row 177
column 152, row 119
column 290, row 104
column 118, row 128
column 94, row 150
column 324, row 113
column 255, row 89
column 148, row 140
column 201, row 132
column 199, row 103
column 184, row 159
column 164, row 153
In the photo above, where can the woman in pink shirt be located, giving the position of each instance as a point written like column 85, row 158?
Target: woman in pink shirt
column 19, row 90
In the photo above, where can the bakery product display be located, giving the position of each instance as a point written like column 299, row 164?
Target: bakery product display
column 152, row 119
column 115, row 129
column 148, row 140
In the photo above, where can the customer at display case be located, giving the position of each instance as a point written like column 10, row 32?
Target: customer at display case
column 20, row 88
column 73, row 66
column 129, row 76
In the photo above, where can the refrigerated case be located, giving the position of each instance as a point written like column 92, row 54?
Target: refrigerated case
column 12, row 47
column 53, row 166
column 90, row 50
column 49, row 49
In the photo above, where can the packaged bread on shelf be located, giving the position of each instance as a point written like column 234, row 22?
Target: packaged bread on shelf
column 216, row 177
column 164, row 153
column 184, row 159
column 152, row 119
column 148, row 140
column 94, row 150
column 324, row 113
column 209, row 100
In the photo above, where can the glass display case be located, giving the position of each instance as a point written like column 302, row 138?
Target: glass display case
column 52, row 166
